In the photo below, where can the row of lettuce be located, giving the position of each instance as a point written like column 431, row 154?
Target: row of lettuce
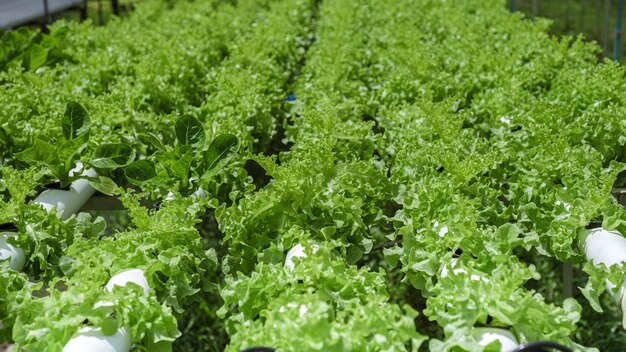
column 431, row 148
column 162, row 104
column 455, row 138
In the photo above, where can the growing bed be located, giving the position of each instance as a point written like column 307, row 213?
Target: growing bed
column 311, row 176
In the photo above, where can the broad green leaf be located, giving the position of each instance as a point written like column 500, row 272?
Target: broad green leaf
column 38, row 56
column 43, row 153
column 140, row 171
column 109, row 326
column 189, row 131
column 392, row 255
column 103, row 185
column 111, row 156
column 353, row 254
column 153, row 139
column 75, row 121
column 40, row 153
column 66, row 153
column 180, row 168
column 221, row 150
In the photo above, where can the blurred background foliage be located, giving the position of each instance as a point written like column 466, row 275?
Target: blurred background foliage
column 595, row 19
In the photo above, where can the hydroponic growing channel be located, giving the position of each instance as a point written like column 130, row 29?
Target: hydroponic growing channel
column 303, row 175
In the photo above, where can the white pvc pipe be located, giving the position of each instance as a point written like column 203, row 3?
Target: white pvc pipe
column 17, row 257
column 608, row 248
column 93, row 340
column 133, row 275
column 68, row 202
column 485, row 336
